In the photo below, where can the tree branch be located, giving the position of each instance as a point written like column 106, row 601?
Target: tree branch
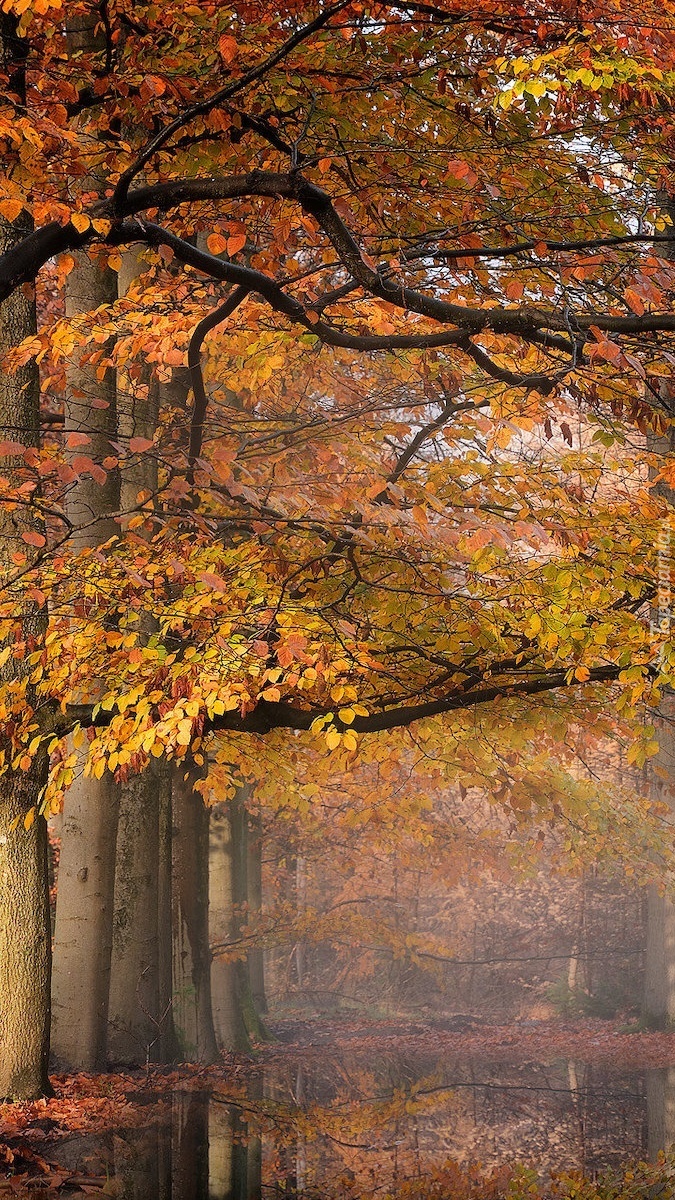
column 267, row 715
column 194, row 366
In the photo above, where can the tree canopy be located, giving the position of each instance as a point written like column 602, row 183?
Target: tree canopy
column 413, row 262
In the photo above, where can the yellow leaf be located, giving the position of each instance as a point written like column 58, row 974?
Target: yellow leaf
column 346, row 715
column 333, row 739
column 582, row 674
column 29, row 818
column 533, row 625
column 80, row 221
column 184, row 734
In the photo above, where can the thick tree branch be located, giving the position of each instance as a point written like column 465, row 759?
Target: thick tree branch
column 267, row 716
column 530, row 322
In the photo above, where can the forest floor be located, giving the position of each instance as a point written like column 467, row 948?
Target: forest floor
column 34, row 1137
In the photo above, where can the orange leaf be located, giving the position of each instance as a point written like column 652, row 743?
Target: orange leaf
column 216, row 243
column 11, row 209
column 34, row 539
column 236, row 242
column 228, row 47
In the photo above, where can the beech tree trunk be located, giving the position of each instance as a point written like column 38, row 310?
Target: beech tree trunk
column 134, row 1015
column 659, row 987
column 84, row 910
column 168, row 1049
column 239, row 817
column 235, row 886
column 228, row 1019
column 256, row 962
column 658, row 1007
column 140, row 1000
column 660, row 1093
column 25, row 934
column 193, row 1017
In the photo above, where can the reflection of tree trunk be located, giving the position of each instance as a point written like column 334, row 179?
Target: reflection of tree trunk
column 137, row 1165
column 193, row 1019
column 190, row 1147
column 300, row 1148
column 659, row 988
column 235, row 1159
column 660, row 1111
column 220, row 1150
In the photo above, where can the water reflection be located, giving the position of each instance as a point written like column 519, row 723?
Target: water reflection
column 339, row 1127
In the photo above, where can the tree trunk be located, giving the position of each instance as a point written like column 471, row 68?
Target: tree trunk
column 230, row 1028
column 256, row 964
column 658, row 1007
column 140, row 1021
column 25, row 934
column 139, row 998
column 25, row 940
column 134, row 1011
column 84, row 910
column 193, row 1018
column 168, row 1049
column 659, row 987
column 255, row 1026
column 660, row 1092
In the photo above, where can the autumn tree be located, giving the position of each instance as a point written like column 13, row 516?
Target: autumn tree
column 430, row 241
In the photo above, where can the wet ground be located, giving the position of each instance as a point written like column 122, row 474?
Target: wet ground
column 356, row 1110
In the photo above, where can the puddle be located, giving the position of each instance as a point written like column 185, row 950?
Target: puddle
column 373, row 1125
